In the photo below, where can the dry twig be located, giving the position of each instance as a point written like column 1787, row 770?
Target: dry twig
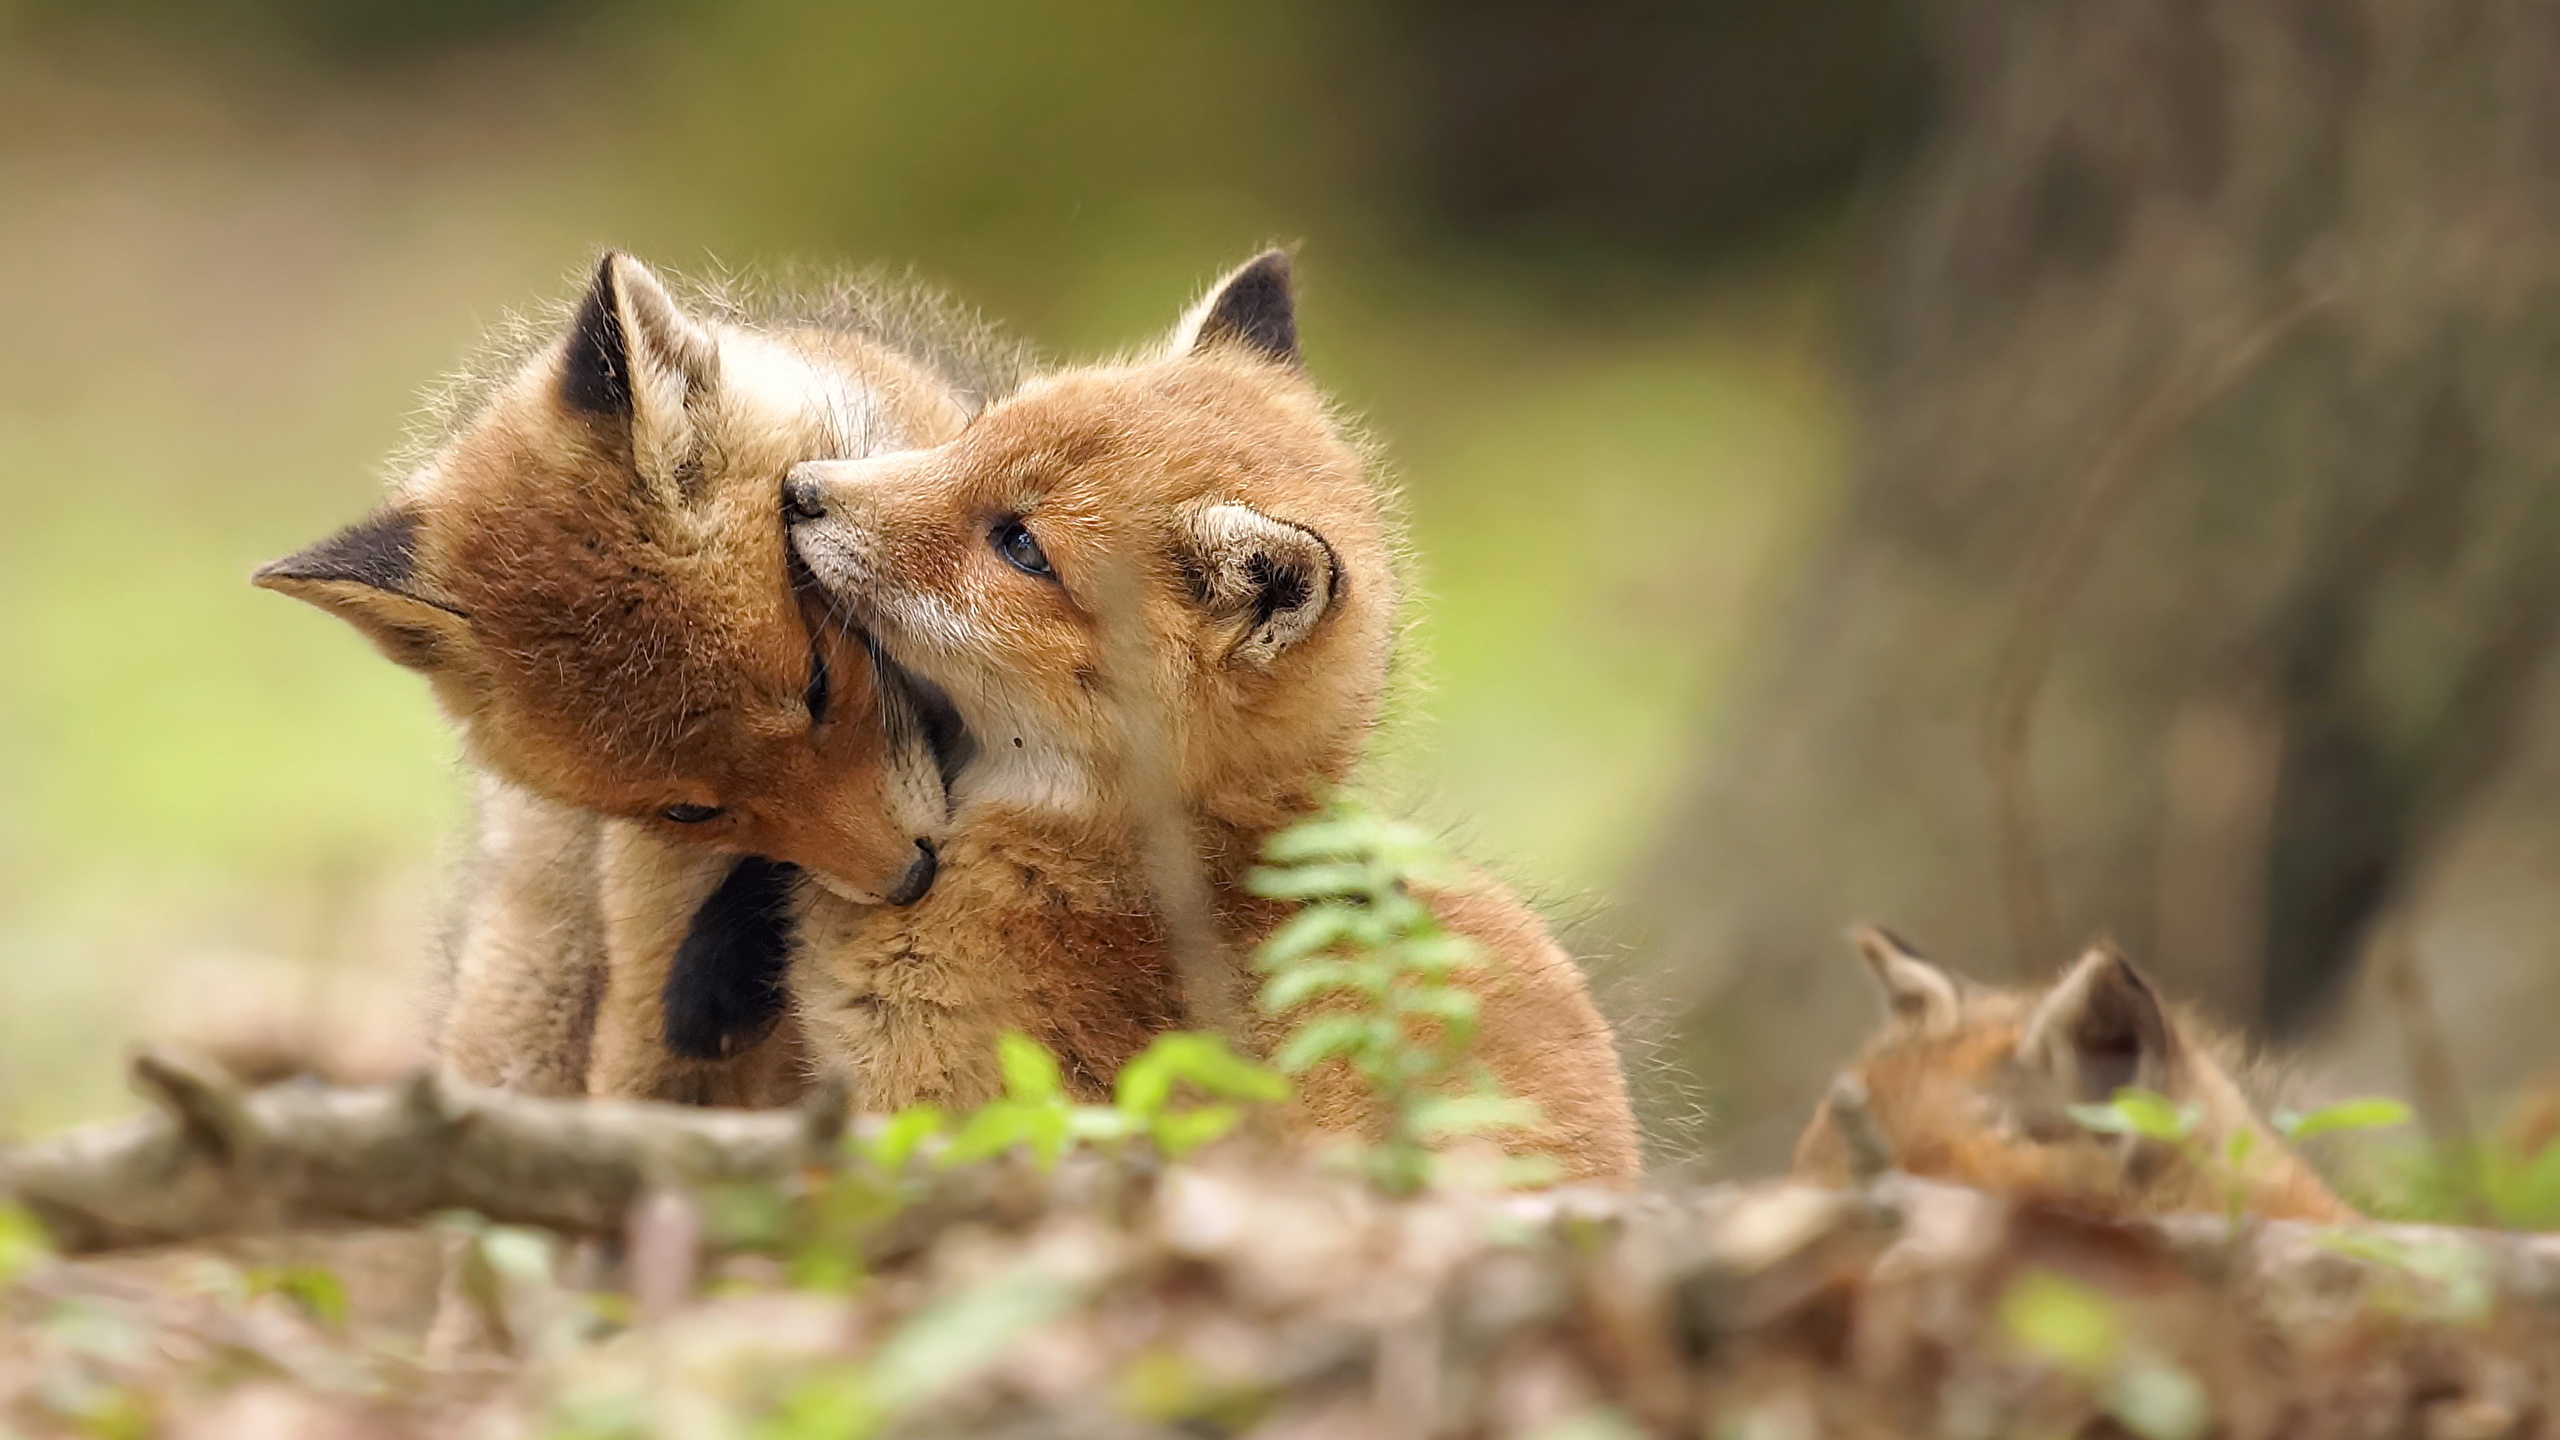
column 213, row 1159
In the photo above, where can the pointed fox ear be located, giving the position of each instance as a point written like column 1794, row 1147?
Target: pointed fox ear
column 1275, row 578
column 634, row 360
column 2102, row 1029
column 1254, row 307
column 365, row 575
column 1916, row 991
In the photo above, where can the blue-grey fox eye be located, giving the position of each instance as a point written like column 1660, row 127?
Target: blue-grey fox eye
column 689, row 814
column 1015, row 543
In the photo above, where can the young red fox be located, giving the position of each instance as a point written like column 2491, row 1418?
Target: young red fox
column 1974, row 1085
column 1204, row 496
column 590, row 568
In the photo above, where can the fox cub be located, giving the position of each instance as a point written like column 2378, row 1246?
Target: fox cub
column 1974, row 1085
column 590, row 569
column 1203, row 495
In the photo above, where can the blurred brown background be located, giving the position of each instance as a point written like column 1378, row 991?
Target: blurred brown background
column 2011, row 471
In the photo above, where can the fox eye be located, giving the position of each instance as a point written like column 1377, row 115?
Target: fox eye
column 689, row 814
column 1015, row 543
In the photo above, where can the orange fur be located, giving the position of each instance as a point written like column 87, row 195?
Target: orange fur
column 590, row 569
column 1205, row 496
column 1973, row 1085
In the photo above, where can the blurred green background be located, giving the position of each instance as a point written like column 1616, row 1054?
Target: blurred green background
column 1745, row 364
column 1579, row 268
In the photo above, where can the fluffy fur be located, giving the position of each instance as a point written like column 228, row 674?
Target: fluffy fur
column 1204, row 496
column 588, row 565
column 1972, row 1085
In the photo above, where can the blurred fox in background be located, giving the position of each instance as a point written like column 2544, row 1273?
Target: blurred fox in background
column 1976, row 1086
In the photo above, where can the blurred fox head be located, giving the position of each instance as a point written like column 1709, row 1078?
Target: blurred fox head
column 591, row 570
column 1975, row 1086
column 1191, row 520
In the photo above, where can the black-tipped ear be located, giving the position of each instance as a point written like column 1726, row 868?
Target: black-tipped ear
column 1275, row 580
column 635, row 362
column 380, row 551
column 1254, row 307
column 366, row 575
column 725, row 990
column 2102, row 1029
column 595, row 372
column 1915, row 991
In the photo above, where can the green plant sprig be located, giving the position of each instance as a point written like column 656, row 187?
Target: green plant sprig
column 1381, row 984
column 2149, row 1115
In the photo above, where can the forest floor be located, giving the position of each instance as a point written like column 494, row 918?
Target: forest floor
column 1248, row 1291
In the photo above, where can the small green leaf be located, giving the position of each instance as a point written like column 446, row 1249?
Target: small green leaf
column 2370, row 1113
column 24, row 1245
column 2237, row 1150
column 1441, row 953
column 2146, row 1113
column 1447, row 1116
column 522, row 1255
column 1310, row 882
column 1101, row 1124
column 1345, row 834
column 837, row 1403
column 316, row 1290
column 990, row 1130
column 1182, row 1132
column 902, row 1134
column 2062, row 1321
column 1307, row 979
column 1311, row 931
column 1205, row 1062
column 1324, row 1038
column 1449, row 1004
column 1030, row 1071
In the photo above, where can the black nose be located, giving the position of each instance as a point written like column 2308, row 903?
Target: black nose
column 919, row 876
column 803, row 500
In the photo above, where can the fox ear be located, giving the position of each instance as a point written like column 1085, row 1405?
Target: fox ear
column 634, row 360
column 1914, row 990
column 2102, row 1029
column 1253, row 306
column 365, row 575
column 1278, row 579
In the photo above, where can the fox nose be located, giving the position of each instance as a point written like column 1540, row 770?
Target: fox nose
column 803, row 500
column 919, row 878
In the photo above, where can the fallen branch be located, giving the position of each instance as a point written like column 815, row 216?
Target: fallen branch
column 213, row 1159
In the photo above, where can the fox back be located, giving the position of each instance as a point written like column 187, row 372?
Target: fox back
column 1976, row 1086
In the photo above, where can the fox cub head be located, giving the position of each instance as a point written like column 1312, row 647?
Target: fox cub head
column 1974, row 1085
column 1200, row 496
column 591, row 570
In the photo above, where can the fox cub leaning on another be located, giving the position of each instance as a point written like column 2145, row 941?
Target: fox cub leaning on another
column 1204, row 494
column 590, row 568
column 1974, row 1085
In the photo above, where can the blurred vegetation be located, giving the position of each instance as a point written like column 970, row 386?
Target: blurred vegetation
column 244, row 234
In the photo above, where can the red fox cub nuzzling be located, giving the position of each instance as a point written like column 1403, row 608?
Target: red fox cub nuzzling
column 1975, row 1085
column 589, row 567
column 1204, row 494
